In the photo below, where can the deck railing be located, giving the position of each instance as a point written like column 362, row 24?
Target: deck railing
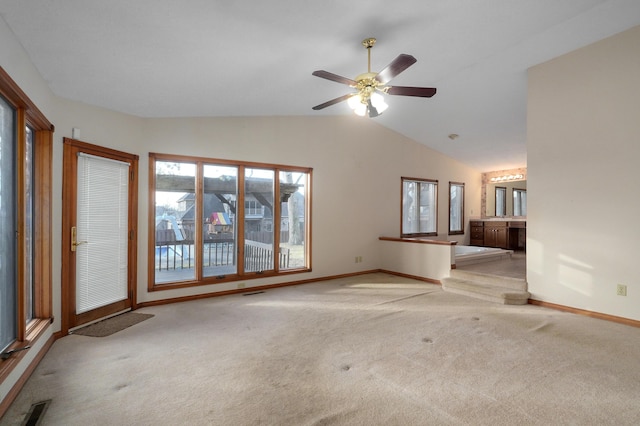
column 217, row 251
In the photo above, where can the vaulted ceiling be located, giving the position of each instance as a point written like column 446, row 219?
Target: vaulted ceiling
column 170, row 58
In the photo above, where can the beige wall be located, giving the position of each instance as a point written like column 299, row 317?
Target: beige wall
column 583, row 151
column 356, row 163
column 357, row 166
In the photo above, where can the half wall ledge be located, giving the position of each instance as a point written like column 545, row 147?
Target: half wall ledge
column 420, row 257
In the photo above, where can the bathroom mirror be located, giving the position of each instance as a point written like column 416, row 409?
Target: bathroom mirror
column 505, row 192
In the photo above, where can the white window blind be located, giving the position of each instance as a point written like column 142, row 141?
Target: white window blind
column 102, row 224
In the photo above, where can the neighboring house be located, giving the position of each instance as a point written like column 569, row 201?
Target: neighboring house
column 221, row 216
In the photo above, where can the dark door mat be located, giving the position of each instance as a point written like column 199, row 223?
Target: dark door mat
column 112, row 325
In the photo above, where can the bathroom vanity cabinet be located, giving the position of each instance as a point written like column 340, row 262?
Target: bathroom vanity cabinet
column 495, row 234
column 477, row 232
column 505, row 234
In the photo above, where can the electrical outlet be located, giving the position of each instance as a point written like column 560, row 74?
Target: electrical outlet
column 240, row 285
column 621, row 290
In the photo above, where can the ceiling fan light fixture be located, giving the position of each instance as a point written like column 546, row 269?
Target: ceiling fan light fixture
column 377, row 100
column 361, row 110
column 354, row 101
column 360, row 104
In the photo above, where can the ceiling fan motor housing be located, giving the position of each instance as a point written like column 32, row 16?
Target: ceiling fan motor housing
column 366, row 85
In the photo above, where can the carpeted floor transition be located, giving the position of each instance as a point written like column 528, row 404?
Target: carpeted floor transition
column 112, row 325
column 368, row 350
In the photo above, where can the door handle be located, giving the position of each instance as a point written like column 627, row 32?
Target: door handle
column 74, row 242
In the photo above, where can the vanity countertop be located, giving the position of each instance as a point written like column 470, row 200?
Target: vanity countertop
column 502, row 219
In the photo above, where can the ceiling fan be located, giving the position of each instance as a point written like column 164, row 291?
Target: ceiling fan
column 367, row 100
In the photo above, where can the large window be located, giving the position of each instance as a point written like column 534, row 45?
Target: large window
column 419, row 207
column 219, row 220
column 456, row 208
column 25, row 222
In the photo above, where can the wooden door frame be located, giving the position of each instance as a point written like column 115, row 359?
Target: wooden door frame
column 69, row 194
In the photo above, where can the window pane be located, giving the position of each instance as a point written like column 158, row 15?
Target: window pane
column 409, row 202
column 419, row 207
column 456, row 208
column 519, row 202
column 292, row 219
column 175, row 210
column 219, row 212
column 258, row 220
column 8, row 311
column 427, row 199
column 501, row 201
column 29, row 226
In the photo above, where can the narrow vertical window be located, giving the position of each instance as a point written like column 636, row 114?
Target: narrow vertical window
column 293, row 219
column 258, row 220
column 456, row 208
column 419, row 207
column 29, row 234
column 220, row 197
column 8, row 225
column 519, row 202
column 174, row 218
column 501, row 200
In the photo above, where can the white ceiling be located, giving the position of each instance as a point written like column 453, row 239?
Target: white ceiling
column 171, row 58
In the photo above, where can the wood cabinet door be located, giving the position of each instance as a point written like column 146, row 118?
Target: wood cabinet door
column 489, row 236
column 495, row 236
column 501, row 238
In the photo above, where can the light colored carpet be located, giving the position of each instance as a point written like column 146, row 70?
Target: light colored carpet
column 368, row 350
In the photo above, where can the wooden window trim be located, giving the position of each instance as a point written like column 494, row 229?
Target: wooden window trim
column 28, row 114
column 461, row 230
column 240, row 275
column 418, row 234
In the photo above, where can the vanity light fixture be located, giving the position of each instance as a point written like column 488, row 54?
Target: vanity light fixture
column 506, row 178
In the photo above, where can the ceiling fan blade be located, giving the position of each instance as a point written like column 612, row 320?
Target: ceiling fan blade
column 333, row 101
column 423, row 92
column 399, row 64
column 334, row 77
